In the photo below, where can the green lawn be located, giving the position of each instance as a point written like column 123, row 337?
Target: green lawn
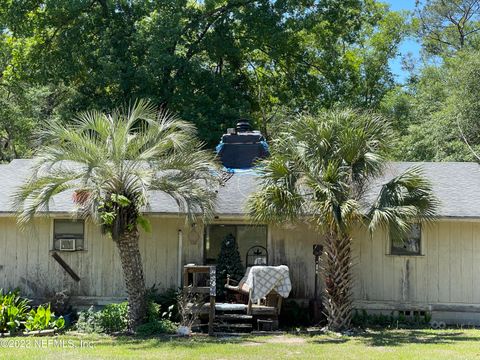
column 388, row 344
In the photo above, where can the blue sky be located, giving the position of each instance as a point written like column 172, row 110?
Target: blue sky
column 408, row 45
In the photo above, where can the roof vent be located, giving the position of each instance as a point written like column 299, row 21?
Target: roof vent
column 243, row 126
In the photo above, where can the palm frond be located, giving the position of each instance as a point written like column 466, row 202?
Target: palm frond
column 37, row 193
column 280, row 197
column 404, row 200
column 130, row 152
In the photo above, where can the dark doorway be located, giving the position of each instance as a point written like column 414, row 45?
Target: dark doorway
column 247, row 236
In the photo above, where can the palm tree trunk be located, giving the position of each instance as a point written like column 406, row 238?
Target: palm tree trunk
column 132, row 267
column 338, row 280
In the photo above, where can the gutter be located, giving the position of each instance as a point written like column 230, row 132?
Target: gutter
column 217, row 217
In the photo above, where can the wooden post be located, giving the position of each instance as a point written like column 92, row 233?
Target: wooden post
column 249, row 307
column 213, row 294
column 185, row 276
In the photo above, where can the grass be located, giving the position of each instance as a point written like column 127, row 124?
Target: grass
column 381, row 344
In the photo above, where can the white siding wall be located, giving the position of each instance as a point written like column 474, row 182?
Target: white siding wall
column 26, row 261
column 293, row 246
column 446, row 273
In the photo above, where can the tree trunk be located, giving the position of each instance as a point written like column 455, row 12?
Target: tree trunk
column 132, row 267
column 338, row 280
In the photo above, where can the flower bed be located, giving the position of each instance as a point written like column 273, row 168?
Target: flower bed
column 18, row 317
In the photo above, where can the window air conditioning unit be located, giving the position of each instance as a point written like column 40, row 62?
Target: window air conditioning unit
column 67, row 244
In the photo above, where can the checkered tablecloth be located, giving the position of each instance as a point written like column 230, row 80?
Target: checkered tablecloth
column 263, row 279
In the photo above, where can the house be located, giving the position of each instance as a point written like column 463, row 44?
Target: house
column 437, row 271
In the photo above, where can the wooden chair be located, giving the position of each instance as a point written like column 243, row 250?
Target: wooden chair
column 272, row 300
column 239, row 287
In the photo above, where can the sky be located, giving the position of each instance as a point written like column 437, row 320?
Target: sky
column 408, row 45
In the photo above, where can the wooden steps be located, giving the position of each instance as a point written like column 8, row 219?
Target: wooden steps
column 234, row 317
column 231, row 319
column 260, row 310
column 226, row 326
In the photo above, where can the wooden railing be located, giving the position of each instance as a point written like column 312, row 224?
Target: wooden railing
column 193, row 286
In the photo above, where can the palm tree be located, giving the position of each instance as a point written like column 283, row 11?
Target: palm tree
column 320, row 170
column 113, row 162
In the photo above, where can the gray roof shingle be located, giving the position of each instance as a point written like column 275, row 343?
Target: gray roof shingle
column 456, row 185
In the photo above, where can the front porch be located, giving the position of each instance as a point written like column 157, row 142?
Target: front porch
column 228, row 317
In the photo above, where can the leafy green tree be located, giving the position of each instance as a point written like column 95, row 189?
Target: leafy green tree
column 113, row 162
column 436, row 114
column 436, row 117
column 16, row 123
column 448, row 26
column 320, row 170
column 211, row 61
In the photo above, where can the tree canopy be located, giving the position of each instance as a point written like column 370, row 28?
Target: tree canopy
column 211, row 61
column 216, row 61
column 435, row 113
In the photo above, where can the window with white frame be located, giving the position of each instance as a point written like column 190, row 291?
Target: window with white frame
column 68, row 234
column 409, row 244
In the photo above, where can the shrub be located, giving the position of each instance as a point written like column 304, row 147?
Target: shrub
column 189, row 305
column 292, row 314
column 13, row 310
column 166, row 299
column 158, row 321
column 88, row 321
column 160, row 326
column 59, row 301
column 112, row 318
column 16, row 314
column 363, row 319
column 42, row 318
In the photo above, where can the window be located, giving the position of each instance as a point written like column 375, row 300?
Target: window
column 247, row 236
column 408, row 245
column 68, row 235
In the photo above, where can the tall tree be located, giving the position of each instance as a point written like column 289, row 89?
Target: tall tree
column 211, row 61
column 320, row 171
column 436, row 113
column 113, row 162
column 436, row 117
column 446, row 26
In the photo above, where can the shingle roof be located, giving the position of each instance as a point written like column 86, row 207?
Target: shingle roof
column 456, row 184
